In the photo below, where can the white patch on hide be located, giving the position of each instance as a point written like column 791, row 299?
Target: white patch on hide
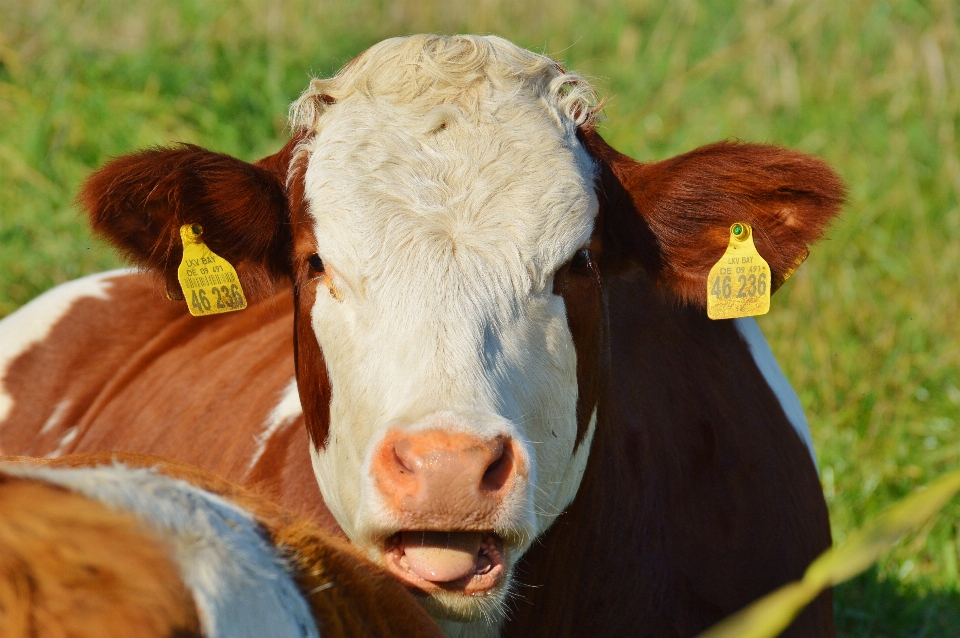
column 283, row 414
column 789, row 401
column 54, row 419
column 240, row 584
column 65, row 442
column 32, row 323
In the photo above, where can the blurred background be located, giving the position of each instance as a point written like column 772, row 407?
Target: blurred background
column 867, row 330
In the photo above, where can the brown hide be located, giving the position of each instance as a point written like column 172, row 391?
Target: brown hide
column 142, row 375
column 578, row 282
column 312, row 381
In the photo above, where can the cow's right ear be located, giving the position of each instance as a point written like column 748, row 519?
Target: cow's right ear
column 138, row 202
column 673, row 217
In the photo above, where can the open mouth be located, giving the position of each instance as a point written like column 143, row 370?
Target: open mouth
column 470, row 563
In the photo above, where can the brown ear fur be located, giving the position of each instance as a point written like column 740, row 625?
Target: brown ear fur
column 673, row 217
column 139, row 201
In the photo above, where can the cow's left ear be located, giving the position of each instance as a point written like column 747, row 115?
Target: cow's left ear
column 673, row 217
column 139, row 202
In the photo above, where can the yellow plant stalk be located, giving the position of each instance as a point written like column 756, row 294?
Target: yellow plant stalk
column 772, row 614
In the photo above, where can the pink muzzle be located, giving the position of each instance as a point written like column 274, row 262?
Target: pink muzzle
column 447, row 489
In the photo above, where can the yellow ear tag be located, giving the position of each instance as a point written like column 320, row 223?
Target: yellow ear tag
column 739, row 284
column 210, row 284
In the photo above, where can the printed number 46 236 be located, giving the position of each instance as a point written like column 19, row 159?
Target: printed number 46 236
column 750, row 286
column 225, row 298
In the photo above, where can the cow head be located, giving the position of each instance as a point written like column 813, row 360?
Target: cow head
column 447, row 214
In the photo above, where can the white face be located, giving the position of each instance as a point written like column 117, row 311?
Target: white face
column 440, row 233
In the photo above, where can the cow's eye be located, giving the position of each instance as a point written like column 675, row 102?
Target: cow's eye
column 316, row 264
column 581, row 259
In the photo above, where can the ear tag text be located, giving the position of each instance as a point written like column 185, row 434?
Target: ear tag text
column 209, row 282
column 739, row 284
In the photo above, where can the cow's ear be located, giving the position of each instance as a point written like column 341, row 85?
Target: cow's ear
column 138, row 202
column 673, row 217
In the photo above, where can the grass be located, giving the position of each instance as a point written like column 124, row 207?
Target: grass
column 867, row 328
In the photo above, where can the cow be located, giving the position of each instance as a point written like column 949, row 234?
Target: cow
column 115, row 545
column 501, row 383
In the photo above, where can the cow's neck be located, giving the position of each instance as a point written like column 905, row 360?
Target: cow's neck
column 687, row 492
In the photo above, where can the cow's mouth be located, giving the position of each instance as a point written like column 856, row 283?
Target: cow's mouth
column 469, row 563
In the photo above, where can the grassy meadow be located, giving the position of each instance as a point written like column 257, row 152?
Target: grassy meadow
column 868, row 330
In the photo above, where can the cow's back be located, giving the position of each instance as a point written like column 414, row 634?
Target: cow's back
column 105, row 363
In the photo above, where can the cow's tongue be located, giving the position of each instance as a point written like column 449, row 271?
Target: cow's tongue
column 441, row 557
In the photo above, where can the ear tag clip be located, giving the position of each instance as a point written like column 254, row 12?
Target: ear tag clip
column 739, row 284
column 209, row 282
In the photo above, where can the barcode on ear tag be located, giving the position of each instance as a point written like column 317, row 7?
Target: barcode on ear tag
column 739, row 284
column 209, row 282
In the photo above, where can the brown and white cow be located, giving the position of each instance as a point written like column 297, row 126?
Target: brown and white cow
column 506, row 386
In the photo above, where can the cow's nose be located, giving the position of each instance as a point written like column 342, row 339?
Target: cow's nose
column 440, row 480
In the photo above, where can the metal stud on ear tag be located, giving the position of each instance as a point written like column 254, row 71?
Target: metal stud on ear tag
column 739, row 284
column 209, row 282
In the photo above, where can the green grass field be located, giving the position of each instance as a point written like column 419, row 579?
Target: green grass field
column 867, row 330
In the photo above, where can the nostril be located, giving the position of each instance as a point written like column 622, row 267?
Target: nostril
column 402, row 456
column 500, row 469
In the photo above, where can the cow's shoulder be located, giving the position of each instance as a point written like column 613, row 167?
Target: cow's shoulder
column 108, row 363
column 85, row 324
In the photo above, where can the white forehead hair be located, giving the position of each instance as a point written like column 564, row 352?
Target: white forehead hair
column 462, row 70
column 470, row 140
